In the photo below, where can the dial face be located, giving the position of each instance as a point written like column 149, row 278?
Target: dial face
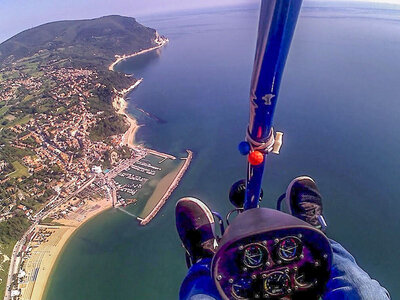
column 254, row 255
column 289, row 248
column 241, row 289
column 277, row 283
column 302, row 280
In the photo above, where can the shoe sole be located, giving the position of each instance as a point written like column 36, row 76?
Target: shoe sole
column 203, row 207
column 289, row 188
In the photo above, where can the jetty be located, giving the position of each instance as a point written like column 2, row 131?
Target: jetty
column 169, row 191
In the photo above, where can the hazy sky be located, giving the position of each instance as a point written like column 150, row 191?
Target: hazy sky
column 18, row 15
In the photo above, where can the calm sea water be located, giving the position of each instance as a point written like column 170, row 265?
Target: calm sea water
column 339, row 108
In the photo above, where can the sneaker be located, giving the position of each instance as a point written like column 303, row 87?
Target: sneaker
column 195, row 225
column 304, row 201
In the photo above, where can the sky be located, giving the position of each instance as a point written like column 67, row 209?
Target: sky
column 18, row 15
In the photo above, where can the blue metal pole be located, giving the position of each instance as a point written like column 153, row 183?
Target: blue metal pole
column 275, row 31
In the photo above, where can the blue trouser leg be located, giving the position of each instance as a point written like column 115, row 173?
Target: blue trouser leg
column 348, row 281
column 198, row 283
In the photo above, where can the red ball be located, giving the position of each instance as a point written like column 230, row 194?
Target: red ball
column 256, row 158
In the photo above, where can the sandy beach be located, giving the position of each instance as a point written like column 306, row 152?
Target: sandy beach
column 44, row 253
column 120, row 105
column 120, row 58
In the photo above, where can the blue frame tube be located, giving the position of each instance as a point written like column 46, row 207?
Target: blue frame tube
column 275, row 31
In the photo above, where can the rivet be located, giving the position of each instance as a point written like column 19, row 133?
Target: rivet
column 230, row 280
column 219, row 277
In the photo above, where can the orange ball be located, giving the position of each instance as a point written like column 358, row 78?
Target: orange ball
column 255, row 158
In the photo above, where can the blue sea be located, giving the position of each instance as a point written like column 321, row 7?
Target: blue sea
column 339, row 109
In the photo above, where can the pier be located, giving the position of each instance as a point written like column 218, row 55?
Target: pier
column 160, row 154
column 169, row 191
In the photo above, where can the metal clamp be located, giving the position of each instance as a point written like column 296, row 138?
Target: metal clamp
column 272, row 144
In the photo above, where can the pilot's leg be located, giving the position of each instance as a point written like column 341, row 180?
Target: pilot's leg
column 348, row 280
column 195, row 226
column 198, row 284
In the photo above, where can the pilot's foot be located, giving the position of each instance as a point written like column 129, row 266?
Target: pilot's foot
column 195, row 225
column 304, row 201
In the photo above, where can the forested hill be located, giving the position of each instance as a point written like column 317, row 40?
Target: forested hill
column 85, row 42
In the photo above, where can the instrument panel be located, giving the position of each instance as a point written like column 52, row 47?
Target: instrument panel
column 283, row 266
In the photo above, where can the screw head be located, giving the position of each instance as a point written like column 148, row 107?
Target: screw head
column 254, row 276
column 276, row 240
column 268, row 264
column 300, row 235
column 230, row 280
column 264, row 276
column 219, row 277
column 240, row 247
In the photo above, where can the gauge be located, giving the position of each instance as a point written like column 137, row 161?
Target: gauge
column 254, row 255
column 289, row 248
column 277, row 283
column 302, row 281
column 242, row 289
column 304, row 277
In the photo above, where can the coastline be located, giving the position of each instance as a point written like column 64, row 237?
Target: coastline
column 162, row 42
column 120, row 105
column 48, row 265
column 69, row 227
column 55, row 245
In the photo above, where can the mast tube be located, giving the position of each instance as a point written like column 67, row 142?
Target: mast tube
column 275, row 31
